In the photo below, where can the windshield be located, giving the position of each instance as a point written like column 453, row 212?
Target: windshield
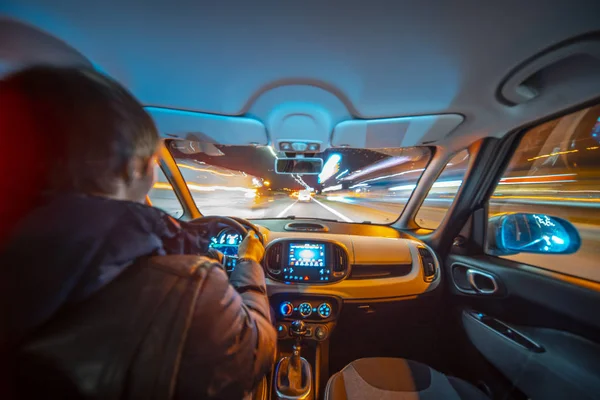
column 356, row 185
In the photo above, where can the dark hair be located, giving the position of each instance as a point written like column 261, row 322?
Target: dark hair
column 92, row 125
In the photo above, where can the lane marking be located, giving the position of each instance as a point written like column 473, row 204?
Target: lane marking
column 331, row 210
column 285, row 210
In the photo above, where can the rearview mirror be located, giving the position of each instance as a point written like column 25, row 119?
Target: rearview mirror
column 299, row 166
column 514, row 233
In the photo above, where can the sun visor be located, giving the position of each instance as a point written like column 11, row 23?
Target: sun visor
column 394, row 132
column 208, row 128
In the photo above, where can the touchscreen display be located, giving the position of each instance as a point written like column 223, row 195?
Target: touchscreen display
column 306, row 262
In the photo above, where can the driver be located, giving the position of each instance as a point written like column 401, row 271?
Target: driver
column 88, row 224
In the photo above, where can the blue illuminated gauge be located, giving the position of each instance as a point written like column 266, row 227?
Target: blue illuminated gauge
column 324, row 310
column 305, row 309
column 286, row 308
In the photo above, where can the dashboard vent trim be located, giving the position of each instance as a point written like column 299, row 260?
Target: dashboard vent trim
column 428, row 263
column 274, row 260
column 339, row 260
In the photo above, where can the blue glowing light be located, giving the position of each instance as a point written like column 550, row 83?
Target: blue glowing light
column 342, row 174
column 331, row 167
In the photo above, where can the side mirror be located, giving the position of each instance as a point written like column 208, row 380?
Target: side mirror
column 514, row 233
column 299, row 166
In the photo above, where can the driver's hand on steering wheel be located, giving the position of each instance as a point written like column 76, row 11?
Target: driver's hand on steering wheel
column 251, row 247
column 216, row 255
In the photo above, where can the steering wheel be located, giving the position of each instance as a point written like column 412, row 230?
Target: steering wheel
column 235, row 223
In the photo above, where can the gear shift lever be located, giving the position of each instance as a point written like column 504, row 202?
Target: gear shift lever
column 297, row 330
column 293, row 374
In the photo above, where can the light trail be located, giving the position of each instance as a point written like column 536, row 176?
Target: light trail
column 537, row 179
column 331, row 167
column 200, row 188
column 548, row 198
column 393, row 175
column 552, row 154
column 272, row 151
column 387, row 163
column 435, row 185
column 402, row 187
column 342, row 174
column 211, row 171
column 331, row 188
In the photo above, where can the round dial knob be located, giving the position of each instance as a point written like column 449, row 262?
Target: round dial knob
column 324, row 310
column 286, row 308
column 281, row 331
column 305, row 309
column 321, row 332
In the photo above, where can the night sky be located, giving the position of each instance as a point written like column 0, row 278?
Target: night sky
column 259, row 161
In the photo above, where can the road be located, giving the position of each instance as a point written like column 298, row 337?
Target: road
column 361, row 210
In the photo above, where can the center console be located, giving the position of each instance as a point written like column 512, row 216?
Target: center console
column 319, row 314
column 304, row 324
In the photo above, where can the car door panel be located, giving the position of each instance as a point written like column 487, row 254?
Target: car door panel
column 540, row 332
column 564, row 366
column 560, row 299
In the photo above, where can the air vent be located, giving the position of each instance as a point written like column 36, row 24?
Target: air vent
column 429, row 270
column 305, row 227
column 339, row 260
column 274, row 258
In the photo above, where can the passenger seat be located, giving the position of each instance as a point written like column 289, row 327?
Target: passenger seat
column 397, row 378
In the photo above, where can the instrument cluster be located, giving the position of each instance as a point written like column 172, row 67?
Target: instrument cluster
column 227, row 242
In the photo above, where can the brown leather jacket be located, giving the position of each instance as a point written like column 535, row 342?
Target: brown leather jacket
column 104, row 307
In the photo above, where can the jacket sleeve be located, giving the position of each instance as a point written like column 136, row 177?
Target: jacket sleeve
column 231, row 342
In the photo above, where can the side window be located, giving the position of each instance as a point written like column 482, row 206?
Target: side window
column 442, row 192
column 553, row 173
column 163, row 196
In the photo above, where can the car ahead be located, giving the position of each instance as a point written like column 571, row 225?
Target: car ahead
column 458, row 210
column 304, row 196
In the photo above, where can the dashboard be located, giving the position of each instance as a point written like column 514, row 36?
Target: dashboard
column 315, row 268
column 349, row 261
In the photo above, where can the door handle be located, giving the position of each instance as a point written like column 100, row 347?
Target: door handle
column 482, row 282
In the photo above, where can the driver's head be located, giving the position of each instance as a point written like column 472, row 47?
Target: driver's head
column 98, row 139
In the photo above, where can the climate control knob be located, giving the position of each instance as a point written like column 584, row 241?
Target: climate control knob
column 305, row 309
column 324, row 310
column 286, row 308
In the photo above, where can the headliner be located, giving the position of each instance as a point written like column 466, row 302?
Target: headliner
column 380, row 59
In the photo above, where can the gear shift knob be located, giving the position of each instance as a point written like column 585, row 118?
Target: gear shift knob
column 298, row 329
